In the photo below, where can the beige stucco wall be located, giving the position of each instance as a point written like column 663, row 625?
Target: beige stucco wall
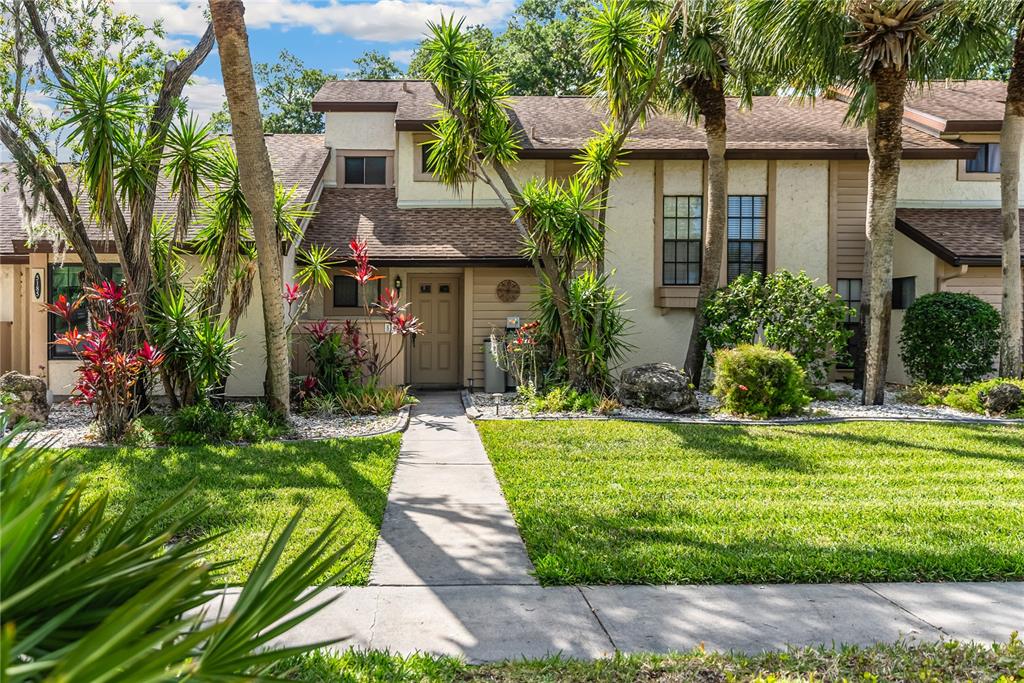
column 801, row 217
column 419, row 193
column 630, row 258
column 360, row 130
column 683, row 177
column 747, row 177
column 933, row 183
column 909, row 260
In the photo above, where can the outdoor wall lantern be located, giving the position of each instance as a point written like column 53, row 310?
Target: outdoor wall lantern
column 398, row 284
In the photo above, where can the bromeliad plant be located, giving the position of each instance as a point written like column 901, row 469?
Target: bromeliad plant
column 113, row 370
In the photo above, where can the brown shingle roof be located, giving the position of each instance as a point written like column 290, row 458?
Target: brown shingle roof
column 558, row 126
column 957, row 236
column 298, row 160
column 958, row 106
column 398, row 235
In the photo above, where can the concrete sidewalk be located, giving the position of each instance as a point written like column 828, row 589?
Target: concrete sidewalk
column 489, row 623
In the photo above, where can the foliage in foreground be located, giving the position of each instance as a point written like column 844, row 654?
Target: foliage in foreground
column 238, row 492
column 204, row 423
column 93, row 595
column 949, row 338
column 622, row 502
column 755, row 381
column 950, row 661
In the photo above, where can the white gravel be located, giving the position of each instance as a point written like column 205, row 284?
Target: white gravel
column 846, row 406
column 70, row 425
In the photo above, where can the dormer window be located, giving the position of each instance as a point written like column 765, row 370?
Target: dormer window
column 366, row 170
column 986, row 160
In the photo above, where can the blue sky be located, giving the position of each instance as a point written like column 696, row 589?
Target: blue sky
column 325, row 34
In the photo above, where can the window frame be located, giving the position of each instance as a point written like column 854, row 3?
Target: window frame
column 688, row 219
column 898, row 295
column 852, row 320
column 420, row 143
column 344, row 155
column 54, row 352
column 964, row 174
column 763, row 241
column 332, row 311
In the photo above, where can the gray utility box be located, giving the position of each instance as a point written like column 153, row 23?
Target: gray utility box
column 494, row 377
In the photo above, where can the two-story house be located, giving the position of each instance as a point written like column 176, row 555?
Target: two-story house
column 797, row 197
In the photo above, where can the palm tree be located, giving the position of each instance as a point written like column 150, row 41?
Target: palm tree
column 257, row 182
column 701, row 65
column 871, row 51
column 1011, row 338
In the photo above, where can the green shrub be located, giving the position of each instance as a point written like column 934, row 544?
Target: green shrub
column 372, row 400
column 949, row 338
column 784, row 311
column 967, row 397
column 756, row 381
column 564, row 399
column 204, row 423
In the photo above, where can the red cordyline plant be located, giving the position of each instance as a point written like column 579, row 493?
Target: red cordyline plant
column 370, row 350
column 110, row 374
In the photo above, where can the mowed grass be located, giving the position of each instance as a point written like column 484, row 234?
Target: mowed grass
column 619, row 502
column 949, row 661
column 247, row 491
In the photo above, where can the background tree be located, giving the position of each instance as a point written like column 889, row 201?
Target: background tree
column 702, row 64
column 286, row 90
column 375, row 66
column 257, row 183
column 537, row 51
column 872, row 51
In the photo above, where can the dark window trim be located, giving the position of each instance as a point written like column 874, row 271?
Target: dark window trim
column 674, row 263
column 763, row 261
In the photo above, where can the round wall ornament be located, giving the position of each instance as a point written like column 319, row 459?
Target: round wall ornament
column 508, row 291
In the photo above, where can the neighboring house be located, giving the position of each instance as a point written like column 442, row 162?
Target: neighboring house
column 797, row 198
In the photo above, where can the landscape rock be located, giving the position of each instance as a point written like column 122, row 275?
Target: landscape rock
column 657, row 386
column 1002, row 399
column 24, row 396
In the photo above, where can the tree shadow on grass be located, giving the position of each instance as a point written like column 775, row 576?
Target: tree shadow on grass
column 581, row 550
column 737, row 444
column 232, row 483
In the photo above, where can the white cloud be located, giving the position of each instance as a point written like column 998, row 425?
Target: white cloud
column 401, row 56
column 205, row 96
column 382, row 20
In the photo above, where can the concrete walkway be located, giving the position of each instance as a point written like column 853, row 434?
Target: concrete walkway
column 447, row 522
column 451, row 576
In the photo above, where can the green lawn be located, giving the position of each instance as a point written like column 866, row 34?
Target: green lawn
column 900, row 662
column 619, row 502
column 250, row 489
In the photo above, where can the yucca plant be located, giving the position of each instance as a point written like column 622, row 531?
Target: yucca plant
column 191, row 163
column 89, row 595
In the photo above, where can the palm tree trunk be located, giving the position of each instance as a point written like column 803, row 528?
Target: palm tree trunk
column 711, row 100
column 257, row 180
column 885, row 147
column 1011, row 337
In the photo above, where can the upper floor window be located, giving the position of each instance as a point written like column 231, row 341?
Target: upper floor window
column 986, row 160
column 366, row 170
column 344, row 292
column 426, row 168
column 682, row 239
column 67, row 280
column 904, row 291
column 748, row 244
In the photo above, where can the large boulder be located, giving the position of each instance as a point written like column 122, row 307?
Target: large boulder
column 24, row 396
column 1002, row 398
column 658, row 386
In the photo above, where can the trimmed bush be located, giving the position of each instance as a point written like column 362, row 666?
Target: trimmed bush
column 755, row 381
column 949, row 338
column 782, row 310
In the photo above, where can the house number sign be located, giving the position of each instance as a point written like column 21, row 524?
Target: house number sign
column 37, row 285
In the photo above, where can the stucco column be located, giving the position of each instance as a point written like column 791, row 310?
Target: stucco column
column 38, row 294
